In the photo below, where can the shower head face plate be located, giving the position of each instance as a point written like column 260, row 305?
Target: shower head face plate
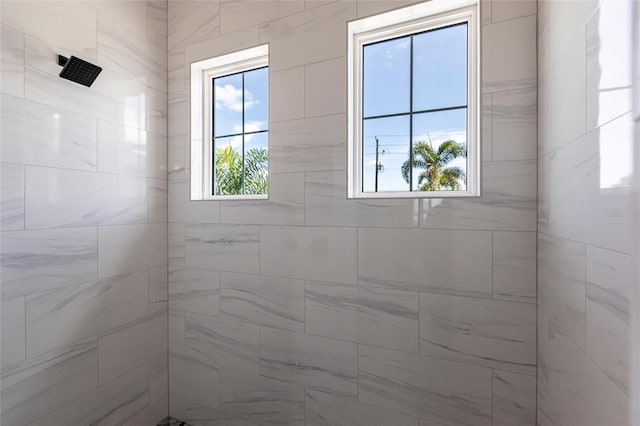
column 80, row 71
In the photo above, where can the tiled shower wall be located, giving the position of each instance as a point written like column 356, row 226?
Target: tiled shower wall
column 586, row 213
column 310, row 307
column 84, row 237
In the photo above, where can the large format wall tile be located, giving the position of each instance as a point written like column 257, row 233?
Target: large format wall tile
column 58, row 317
column 222, row 342
column 38, row 134
column 13, row 337
column 433, row 389
column 514, row 266
column 194, row 380
column 65, row 198
column 324, row 409
column 514, row 397
column 233, row 248
column 267, row 301
column 34, row 261
column 457, row 262
column 324, row 254
column 314, row 362
column 117, row 243
column 192, row 21
column 11, row 62
column 11, row 197
column 35, row 387
column 195, row 290
column 488, row 333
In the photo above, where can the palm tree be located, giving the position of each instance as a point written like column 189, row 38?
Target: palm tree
column 229, row 173
column 436, row 176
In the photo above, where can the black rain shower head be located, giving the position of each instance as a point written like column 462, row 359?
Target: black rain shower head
column 78, row 70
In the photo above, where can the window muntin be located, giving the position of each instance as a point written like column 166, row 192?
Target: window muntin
column 413, row 86
column 234, row 117
column 240, row 133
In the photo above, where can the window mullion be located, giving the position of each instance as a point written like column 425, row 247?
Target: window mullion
column 243, row 104
column 411, row 114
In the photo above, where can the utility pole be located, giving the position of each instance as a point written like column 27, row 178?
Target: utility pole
column 377, row 163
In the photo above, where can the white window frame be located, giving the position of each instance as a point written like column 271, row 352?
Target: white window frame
column 202, row 75
column 403, row 22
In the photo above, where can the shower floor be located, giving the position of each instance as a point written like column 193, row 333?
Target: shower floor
column 170, row 421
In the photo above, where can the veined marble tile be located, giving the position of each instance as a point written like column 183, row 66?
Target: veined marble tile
column 428, row 263
column 47, row 136
column 11, row 197
column 324, row 409
column 150, row 414
column 309, row 144
column 326, row 204
column 514, row 266
column 325, row 87
column 128, row 150
column 514, row 399
column 182, row 209
column 37, row 386
column 155, row 111
column 129, row 14
column 12, row 340
column 309, row 36
column 159, row 376
column 130, row 248
column 509, row 54
column 589, row 188
column 486, row 124
column 71, row 313
column 112, row 403
column 41, row 260
column 131, row 346
column 178, row 157
column 178, row 82
column 121, row 50
column 179, row 118
column 200, row 415
column 176, row 246
column 508, row 201
column 487, row 333
column 194, row 290
column 322, row 253
column 314, row 362
column 223, row 343
column 514, row 115
column 608, row 311
column 285, row 205
column 433, row 389
column 11, row 61
column 177, row 332
column 223, row 247
column 576, row 391
column 288, row 99
column 262, row 300
column 561, row 285
column 193, row 380
column 261, row 400
column 63, row 24
column 192, row 21
column 236, row 15
column 609, row 33
column 331, row 310
column 157, row 200
column 68, row 198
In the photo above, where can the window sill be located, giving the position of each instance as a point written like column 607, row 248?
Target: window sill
column 232, row 197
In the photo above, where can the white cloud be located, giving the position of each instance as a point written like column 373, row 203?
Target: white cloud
column 230, row 97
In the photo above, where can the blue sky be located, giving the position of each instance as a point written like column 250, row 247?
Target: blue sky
column 439, row 81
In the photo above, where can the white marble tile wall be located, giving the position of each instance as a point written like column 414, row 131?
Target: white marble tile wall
column 309, row 308
column 587, row 216
column 83, row 214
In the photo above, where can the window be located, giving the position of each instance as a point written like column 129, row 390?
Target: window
column 413, row 102
column 230, row 126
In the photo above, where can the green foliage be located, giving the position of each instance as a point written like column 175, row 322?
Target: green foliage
column 229, row 171
column 436, row 176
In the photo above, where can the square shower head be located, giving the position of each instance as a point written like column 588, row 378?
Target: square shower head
column 78, row 70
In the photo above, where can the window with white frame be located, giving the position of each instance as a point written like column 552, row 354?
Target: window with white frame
column 414, row 102
column 230, row 126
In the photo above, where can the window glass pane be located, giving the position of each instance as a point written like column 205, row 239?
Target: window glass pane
column 228, row 105
column 386, row 77
column 256, row 161
column 256, row 100
column 440, row 68
column 227, row 158
column 392, row 136
column 439, row 146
